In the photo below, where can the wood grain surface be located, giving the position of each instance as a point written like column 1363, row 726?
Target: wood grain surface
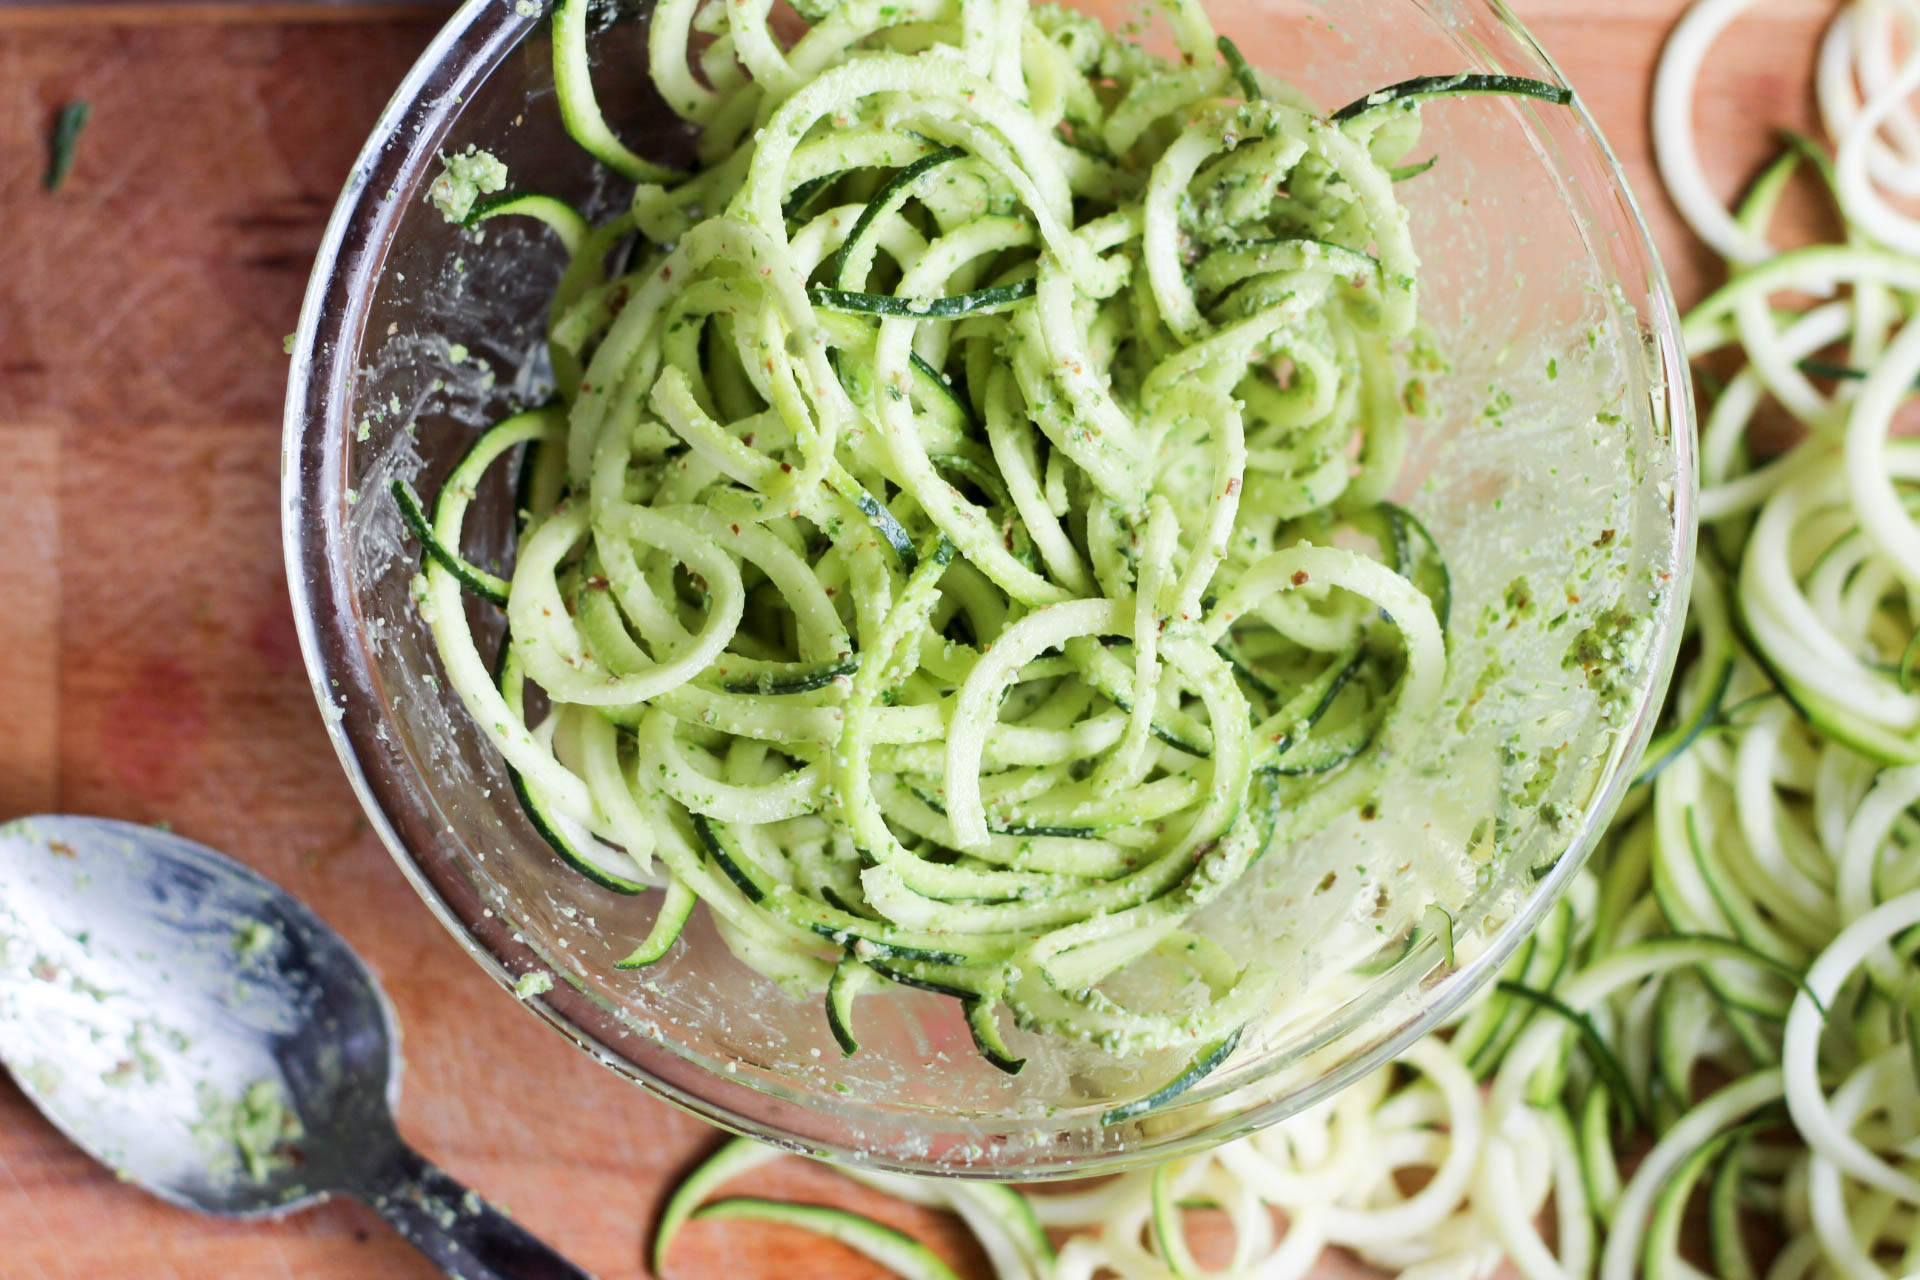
column 148, row 668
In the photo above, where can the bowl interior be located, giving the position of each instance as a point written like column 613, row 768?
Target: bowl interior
column 1547, row 458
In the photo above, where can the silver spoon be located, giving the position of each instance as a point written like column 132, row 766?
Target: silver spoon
column 203, row 1034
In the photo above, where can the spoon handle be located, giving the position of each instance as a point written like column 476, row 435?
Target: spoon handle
column 465, row 1236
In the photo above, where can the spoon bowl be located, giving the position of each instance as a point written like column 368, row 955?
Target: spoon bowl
column 196, row 1029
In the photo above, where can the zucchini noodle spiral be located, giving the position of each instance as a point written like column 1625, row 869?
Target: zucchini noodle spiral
column 959, row 546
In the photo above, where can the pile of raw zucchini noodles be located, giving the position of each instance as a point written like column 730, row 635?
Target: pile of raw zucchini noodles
column 947, row 554
column 1724, row 1014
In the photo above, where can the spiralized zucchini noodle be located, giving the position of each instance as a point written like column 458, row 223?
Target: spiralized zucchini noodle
column 1719, row 1027
column 959, row 547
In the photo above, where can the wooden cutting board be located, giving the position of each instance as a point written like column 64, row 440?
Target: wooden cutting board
column 148, row 668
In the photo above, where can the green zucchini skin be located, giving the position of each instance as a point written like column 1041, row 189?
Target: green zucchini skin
column 1419, row 560
column 1671, row 745
column 937, row 381
column 976, row 302
column 987, row 1038
column 474, row 579
column 676, row 908
column 848, row 977
column 1171, row 734
column 1013, row 829
column 880, row 950
column 1404, row 172
column 1614, row 1076
column 801, row 198
column 731, row 864
column 1203, row 1065
column 798, row 682
column 61, row 142
column 884, row 522
column 510, row 682
column 1242, row 72
column 906, row 979
column 536, row 815
column 1837, row 372
column 1451, row 86
column 1305, row 751
column 566, row 222
column 901, row 180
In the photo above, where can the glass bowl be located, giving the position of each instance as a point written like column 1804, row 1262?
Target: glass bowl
column 1551, row 461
